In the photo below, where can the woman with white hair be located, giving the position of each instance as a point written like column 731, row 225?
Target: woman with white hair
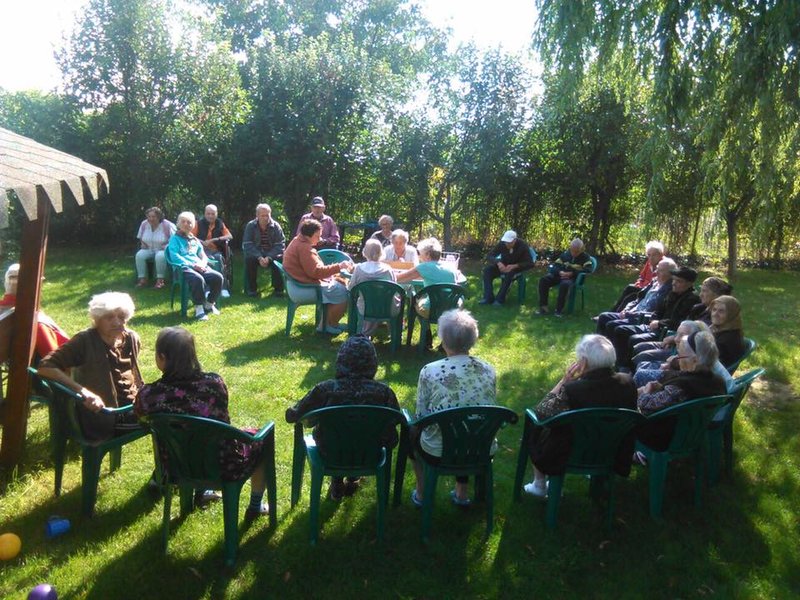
column 371, row 269
column 589, row 382
column 457, row 380
column 399, row 250
column 103, row 361
column 384, row 234
column 185, row 251
column 429, row 269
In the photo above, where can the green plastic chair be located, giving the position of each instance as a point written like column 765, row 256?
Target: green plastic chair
column 690, row 440
column 379, row 303
column 178, row 286
column 192, row 448
column 720, row 431
column 749, row 347
column 352, row 448
column 520, row 278
column 64, row 426
column 579, row 286
column 321, row 316
column 330, row 256
column 443, row 297
column 468, row 434
column 597, row 434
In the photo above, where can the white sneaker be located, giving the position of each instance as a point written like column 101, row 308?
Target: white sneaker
column 210, row 308
column 225, row 294
column 534, row 488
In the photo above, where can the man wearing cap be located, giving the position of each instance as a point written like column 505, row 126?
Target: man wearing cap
column 675, row 309
column 330, row 232
column 262, row 244
column 563, row 274
column 510, row 256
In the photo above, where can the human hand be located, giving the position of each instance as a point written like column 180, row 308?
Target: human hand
column 92, row 401
column 574, row 371
column 669, row 341
column 209, row 245
column 565, row 275
column 653, row 326
column 346, row 265
column 264, row 261
column 652, row 386
column 200, row 268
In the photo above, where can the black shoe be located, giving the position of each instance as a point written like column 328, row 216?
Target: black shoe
column 205, row 497
column 253, row 513
column 351, row 485
column 336, row 490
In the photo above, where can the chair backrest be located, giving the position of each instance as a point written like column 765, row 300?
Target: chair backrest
column 468, row 433
column 579, row 280
column 352, row 434
column 192, row 444
column 597, row 434
column 742, row 386
column 443, row 297
column 534, row 256
column 330, row 256
column 379, row 298
column 63, row 404
column 691, row 422
column 749, row 347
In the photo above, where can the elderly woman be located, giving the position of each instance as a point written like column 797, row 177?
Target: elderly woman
column 356, row 365
column 726, row 325
column 371, row 269
column 429, row 269
column 400, row 250
column 589, row 382
column 697, row 354
column 154, row 234
column 104, row 365
column 184, row 389
column 303, row 264
column 457, row 380
column 384, row 234
column 186, row 251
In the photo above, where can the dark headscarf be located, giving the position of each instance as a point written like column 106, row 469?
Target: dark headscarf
column 357, row 359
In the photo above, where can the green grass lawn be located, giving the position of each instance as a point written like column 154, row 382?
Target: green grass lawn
column 742, row 544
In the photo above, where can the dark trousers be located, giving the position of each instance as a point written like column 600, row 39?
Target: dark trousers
column 552, row 280
column 200, row 283
column 621, row 339
column 251, row 275
column 607, row 322
column 490, row 273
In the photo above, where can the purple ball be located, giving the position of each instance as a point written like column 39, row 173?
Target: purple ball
column 43, row 591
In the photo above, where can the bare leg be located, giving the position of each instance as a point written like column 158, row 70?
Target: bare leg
column 335, row 313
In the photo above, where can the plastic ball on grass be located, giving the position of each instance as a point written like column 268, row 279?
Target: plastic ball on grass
column 10, row 545
column 43, row 591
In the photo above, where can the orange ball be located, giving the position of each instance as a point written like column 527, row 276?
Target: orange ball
column 10, row 545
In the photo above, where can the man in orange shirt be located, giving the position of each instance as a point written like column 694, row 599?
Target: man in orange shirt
column 214, row 235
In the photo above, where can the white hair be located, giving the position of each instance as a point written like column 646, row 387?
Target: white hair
column 373, row 250
column 576, row 243
column 263, row 206
column 668, row 262
column 107, row 302
column 654, row 245
column 385, row 218
column 431, row 248
column 11, row 279
column 212, row 207
column 188, row 215
column 705, row 349
column 597, row 350
column 458, row 330
column 399, row 233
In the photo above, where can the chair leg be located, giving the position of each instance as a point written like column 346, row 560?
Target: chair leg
column 554, row 486
column 699, row 471
column 431, row 477
column 230, row 511
column 313, row 512
column 727, row 445
column 400, row 467
column 186, row 499
column 522, row 461
column 610, row 516
column 488, row 487
column 58, row 446
column 115, row 458
column 715, row 443
column 291, row 307
column 90, row 471
column 298, row 464
column 658, row 463
column 165, row 517
column 271, row 479
column 382, row 477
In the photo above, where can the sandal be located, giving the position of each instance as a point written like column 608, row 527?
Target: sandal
column 141, row 282
column 159, row 284
column 458, row 501
column 639, row 458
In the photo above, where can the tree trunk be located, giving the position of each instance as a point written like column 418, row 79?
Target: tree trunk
column 732, row 220
column 447, row 220
column 693, row 247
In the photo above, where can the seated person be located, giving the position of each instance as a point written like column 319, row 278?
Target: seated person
column 710, row 290
column 648, row 300
column 400, row 250
column 262, row 244
column 215, row 236
column 694, row 379
column 384, row 234
column 329, row 232
column 303, row 264
column 511, row 255
column 563, row 274
column 104, row 365
column 154, row 234
column 371, row 269
column 184, row 389
column 185, row 251
column 589, row 382
column 457, row 380
column 726, row 325
column 655, row 252
column 356, row 365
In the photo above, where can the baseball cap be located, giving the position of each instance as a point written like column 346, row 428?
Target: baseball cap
column 318, row 201
column 509, row 236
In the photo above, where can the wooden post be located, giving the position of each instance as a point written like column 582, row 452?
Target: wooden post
column 32, row 259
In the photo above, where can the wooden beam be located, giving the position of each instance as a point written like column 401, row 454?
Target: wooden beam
column 32, row 259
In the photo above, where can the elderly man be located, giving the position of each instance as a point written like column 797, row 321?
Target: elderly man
column 511, row 255
column 329, row 238
column 384, row 234
column 262, row 244
column 563, row 273
column 655, row 252
column 214, row 235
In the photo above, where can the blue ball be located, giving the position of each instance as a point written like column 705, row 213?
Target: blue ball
column 43, row 591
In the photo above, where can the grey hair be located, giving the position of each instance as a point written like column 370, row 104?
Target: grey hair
column 400, row 233
column 213, row 207
column 107, row 302
column 386, row 218
column 430, row 247
column 667, row 261
column 187, row 214
column 263, row 206
column 11, row 279
column 705, row 349
column 372, row 250
column 576, row 243
column 654, row 245
column 597, row 350
column 458, row 330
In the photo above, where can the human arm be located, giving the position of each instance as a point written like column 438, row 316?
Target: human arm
column 70, row 355
column 330, row 233
column 654, row 397
column 409, row 275
column 311, row 401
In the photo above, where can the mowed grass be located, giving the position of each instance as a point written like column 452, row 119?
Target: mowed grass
column 743, row 543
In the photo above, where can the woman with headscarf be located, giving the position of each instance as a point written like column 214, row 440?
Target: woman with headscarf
column 354, row 384
column 726, row 325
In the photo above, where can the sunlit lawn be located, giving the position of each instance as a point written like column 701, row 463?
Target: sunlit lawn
column 742, row 544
